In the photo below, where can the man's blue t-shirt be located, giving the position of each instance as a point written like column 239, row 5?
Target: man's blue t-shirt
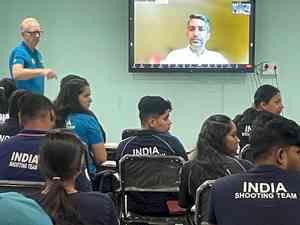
column 88, row 129
column 264, row 195
column 22, row 54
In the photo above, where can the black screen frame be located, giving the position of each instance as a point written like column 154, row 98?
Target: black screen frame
column 190, row 68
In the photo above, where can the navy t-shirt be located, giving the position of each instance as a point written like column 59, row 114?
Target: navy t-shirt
column 92, row 207
column 148, row 142
column 19, row 156
column 266, row 195
column 19, row 159
column 9, row 128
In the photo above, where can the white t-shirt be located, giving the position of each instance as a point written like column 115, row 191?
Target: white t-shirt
column 186, row 56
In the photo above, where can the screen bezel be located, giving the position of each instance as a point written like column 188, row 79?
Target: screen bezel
column 163, row 68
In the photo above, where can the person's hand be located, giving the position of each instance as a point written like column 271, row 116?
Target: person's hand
column 49, row 74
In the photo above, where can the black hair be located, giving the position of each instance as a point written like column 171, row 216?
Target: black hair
column 13, row 108
column 264, row 94
column 67, row 102
column 262, row 118
column 277, row 132
column 211, row 141
column 70, row 77
column 60, row 160
column 34, row 106
column 150, row 106
column 7, row 87
column 213, row 133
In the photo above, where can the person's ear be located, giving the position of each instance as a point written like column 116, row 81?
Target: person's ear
column 281, row 157
column 263, row 105
column 152, row 122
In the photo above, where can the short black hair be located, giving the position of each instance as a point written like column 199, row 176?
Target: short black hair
column 33, row 106
column 150, row 106
column 264, row 94
column 277, row 132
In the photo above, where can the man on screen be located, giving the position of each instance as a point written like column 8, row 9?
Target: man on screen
column 198, row 33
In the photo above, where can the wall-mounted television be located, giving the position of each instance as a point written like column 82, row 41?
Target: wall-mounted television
column 191, row 36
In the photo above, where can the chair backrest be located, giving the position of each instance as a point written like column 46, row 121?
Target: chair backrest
column 23, row 187
column 247, row 153
column 201, row 203
column 150, row 173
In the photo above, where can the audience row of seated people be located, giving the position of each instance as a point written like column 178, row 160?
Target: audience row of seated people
column 216, row 150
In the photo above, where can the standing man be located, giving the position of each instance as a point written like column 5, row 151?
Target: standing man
column 198, row 33
column 25, row 61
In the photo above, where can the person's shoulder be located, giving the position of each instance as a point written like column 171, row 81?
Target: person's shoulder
column 178, row 51
column 217, row 56
column 246, row 163
column 19, row 50
column 166, row 136
column 9, row 142
column 247, row 116
column 93, row 198
column 229, row 181
column 82, row 117
column 176, row 56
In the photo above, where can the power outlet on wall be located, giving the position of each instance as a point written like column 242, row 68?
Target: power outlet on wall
column 269, row 69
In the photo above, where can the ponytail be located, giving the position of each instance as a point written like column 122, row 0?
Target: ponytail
column 58, row 205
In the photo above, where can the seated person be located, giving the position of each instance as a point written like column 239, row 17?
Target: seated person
column 73, row 112
column 198, row 33
column 216, row 148
column 269, row 193
column 61, row 158
column 266, row 98
column 19, row 154
column 153, row 139
column 7, row 87
column 11, row 126
column 18, row 210
column 260, row 120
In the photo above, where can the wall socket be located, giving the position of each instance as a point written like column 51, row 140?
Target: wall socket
column 269, row 69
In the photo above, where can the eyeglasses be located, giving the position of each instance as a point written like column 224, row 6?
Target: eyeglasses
column 34, row 33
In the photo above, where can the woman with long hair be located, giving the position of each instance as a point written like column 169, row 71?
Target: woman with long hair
column 61, row 159
column 216, row 148
column 72, row 107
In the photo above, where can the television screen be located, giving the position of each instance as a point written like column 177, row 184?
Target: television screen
column 191, row 36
